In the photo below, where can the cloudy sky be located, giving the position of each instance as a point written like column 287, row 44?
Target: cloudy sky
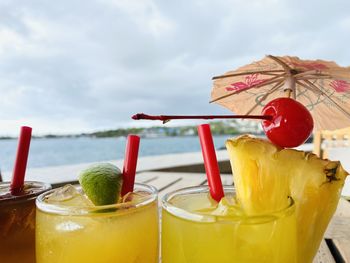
column 73, row 66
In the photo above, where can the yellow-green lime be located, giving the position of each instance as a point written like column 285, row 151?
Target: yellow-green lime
column 102, row 183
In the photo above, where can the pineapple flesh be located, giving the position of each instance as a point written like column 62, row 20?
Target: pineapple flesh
column 265, row 176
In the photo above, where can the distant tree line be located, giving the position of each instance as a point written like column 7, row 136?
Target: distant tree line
column 217, row 128
column 115, row 133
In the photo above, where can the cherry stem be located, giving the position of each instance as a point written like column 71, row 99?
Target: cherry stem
column 166, row 118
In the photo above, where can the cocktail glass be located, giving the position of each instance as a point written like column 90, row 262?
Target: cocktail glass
column 195, row 229
column 17, row 222
column 69, row 229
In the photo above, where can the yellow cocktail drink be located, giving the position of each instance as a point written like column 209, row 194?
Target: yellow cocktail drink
column 70, row 229
column 197, row 229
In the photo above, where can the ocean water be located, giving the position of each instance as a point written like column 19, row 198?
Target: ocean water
column 63, row 151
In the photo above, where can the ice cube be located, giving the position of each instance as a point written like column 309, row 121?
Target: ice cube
column 196, row 202
column 62, row 194
column 227, row 207
column 135, row 197
column 190, row 216
column 68, row 195
column 192, row 207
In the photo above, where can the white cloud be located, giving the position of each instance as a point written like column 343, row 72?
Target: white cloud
column 44, row 126
column 145, row 14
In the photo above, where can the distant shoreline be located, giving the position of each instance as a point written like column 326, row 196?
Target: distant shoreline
column 217, row 128
column 101, row 137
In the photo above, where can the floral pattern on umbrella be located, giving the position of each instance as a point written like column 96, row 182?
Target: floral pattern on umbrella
column 249, row 81
column 340, row 85
column 310, row 66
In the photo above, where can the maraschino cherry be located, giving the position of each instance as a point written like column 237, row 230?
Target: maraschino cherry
column 291, row 123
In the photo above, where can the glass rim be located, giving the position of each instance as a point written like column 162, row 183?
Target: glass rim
column 97, row 210
column 204, row 218
column 42, row 188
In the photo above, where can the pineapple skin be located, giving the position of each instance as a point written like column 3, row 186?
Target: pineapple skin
column 265, row 175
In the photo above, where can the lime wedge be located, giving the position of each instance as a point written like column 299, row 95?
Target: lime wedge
column 102, row 183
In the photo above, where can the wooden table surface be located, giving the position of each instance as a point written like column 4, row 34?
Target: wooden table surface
column 335, row 247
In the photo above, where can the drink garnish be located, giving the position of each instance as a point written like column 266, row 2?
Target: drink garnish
column 285, row 121
column 265, row 176
column 102, row 183
column 291, row 124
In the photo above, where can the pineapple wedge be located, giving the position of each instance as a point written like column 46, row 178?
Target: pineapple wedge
column 265, row 175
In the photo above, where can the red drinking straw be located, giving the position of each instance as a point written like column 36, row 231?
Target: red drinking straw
column 19, row 169
column 130, row 163
column 210, row 162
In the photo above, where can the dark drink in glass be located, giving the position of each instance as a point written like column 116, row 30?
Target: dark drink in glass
column 17, row 222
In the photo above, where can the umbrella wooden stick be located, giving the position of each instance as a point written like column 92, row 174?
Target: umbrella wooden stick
column 289, row 86
column 329, row 98
column 272, row 90
column 330, row 72
column 271, row 74
column 309, row 72
column 166, row 118
column 288, row 92
column 312, row 77
column 270, row 81
column 279, row 61
column 308, row 87
column 324, row 77
column 267, row 72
